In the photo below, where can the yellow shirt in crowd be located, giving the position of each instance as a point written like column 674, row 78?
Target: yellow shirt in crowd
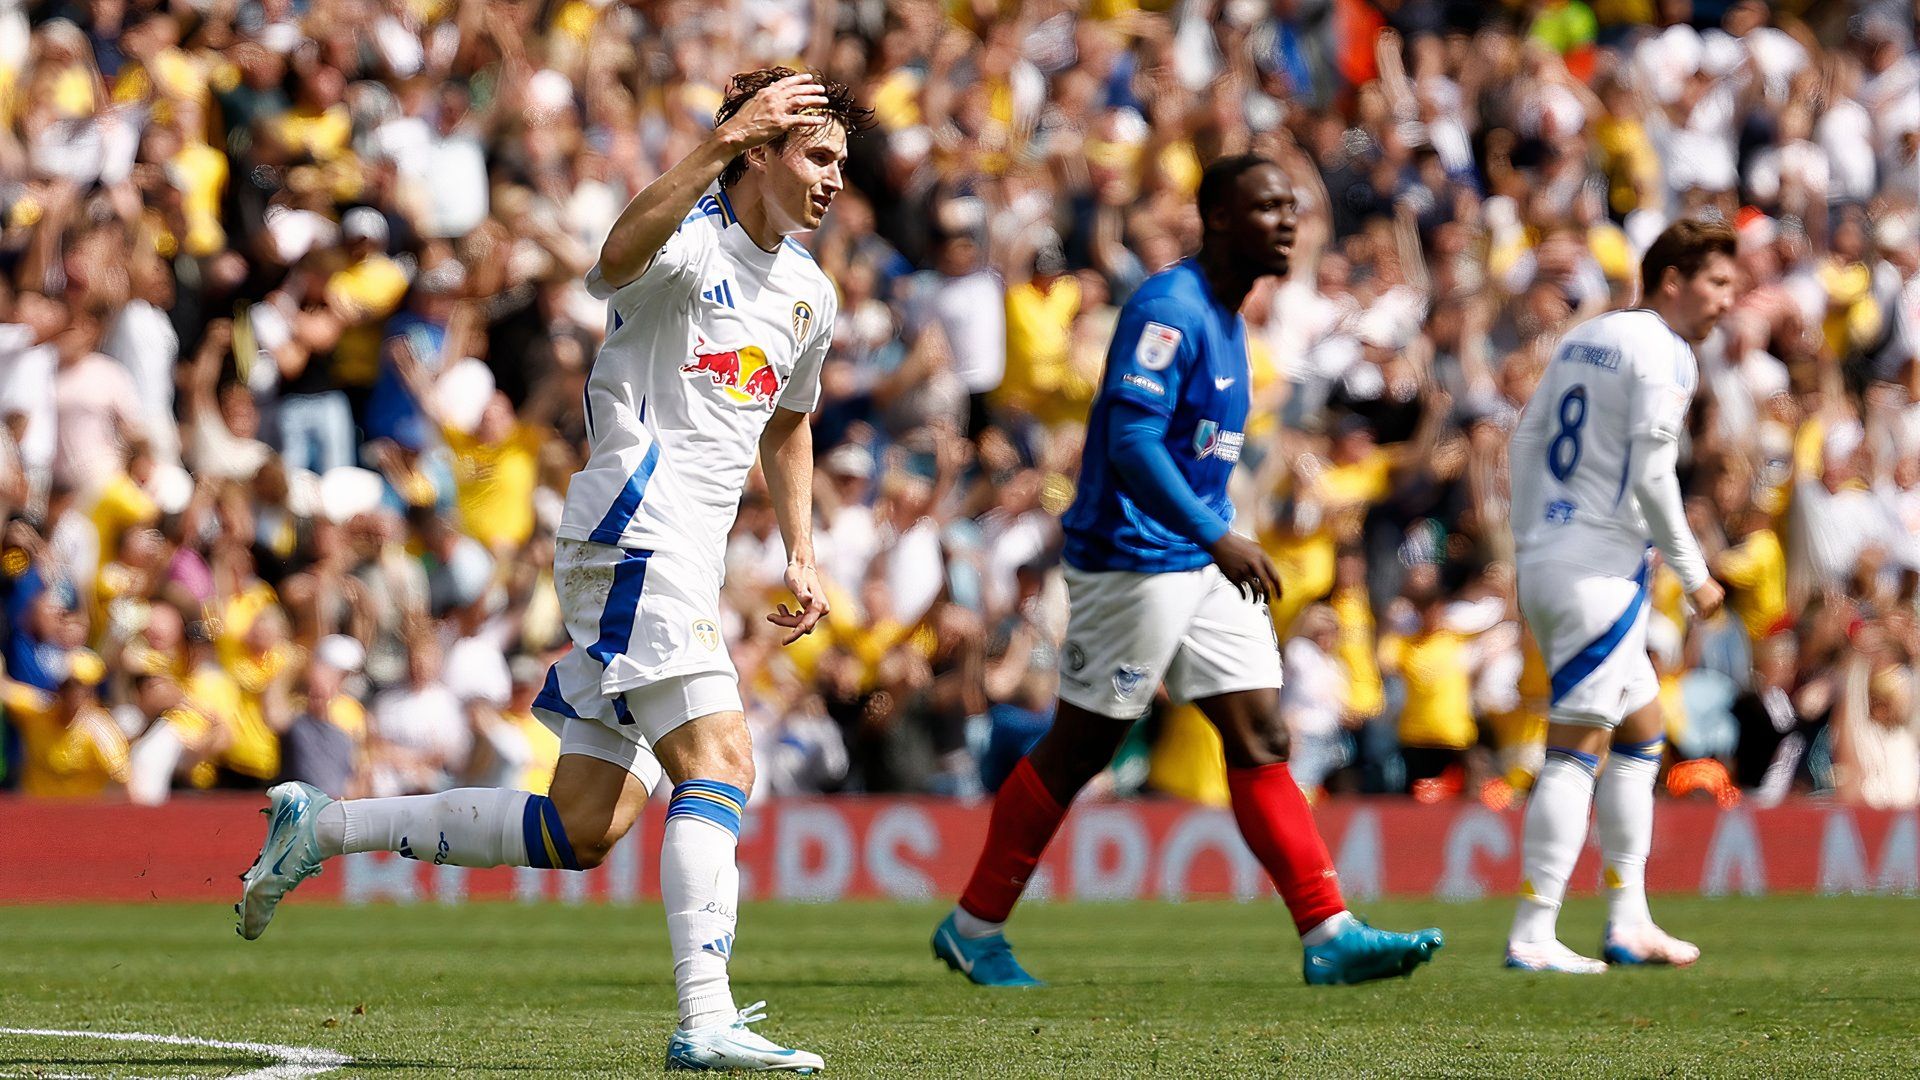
column 1187, row 760
column 121, row 506
column 371, row 288
column 71, row 761
column 1755, row 571
column 494, row 484
column 1439, row 708
column 1354, row 649
column 1039, row 331
column 1306, row 562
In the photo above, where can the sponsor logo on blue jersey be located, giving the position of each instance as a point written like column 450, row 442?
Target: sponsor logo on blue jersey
column 1210, row 442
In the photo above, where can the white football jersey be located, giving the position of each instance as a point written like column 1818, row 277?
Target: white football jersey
column 1617, row 376
column 699, row 351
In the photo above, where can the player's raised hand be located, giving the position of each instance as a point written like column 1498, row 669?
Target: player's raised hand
column 1247, row 566
column 804, row 581
column 771, row 113
column 1707, row 599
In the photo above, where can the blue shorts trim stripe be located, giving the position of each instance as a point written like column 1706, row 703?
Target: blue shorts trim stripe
column 1589, row 659
column 623, row 602
column 551, row 699
column 545, row 837
column 711, row 801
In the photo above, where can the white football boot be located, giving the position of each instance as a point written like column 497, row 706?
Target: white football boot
column 1550, row 956
column 290, row 855
column 731, row 1047
column 1646, row 944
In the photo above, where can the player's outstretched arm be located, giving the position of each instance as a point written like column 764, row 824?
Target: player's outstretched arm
column 786, row 457
column 644, row 226
column 1657, row 489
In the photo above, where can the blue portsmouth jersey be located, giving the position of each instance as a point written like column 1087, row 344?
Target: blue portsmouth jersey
column 1179, row 353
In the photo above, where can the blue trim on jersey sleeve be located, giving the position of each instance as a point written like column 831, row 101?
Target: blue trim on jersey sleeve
column 1588, row 660
column 623, row 603
column 1136, row 444
column 705, row 208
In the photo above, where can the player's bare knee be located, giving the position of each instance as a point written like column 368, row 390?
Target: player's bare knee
column 590, row 852
column 1255, row 743
column 710, row 748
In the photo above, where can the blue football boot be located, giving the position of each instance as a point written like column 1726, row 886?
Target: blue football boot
column 1359, row 953
column 987, row 961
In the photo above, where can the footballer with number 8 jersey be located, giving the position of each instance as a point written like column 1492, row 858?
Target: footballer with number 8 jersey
column 718, row 323
column 1594, row 492
column 1162, row 591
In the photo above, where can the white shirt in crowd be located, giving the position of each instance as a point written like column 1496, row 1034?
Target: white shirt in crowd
column 143, row 339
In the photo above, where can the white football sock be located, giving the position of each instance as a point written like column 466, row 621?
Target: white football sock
column 973, row 926
column 1555, row 830
column 1328, row 929
column 465, row 827
column 700, row 886
column 1623, row 812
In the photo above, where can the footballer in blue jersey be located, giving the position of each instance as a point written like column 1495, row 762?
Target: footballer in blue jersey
column 1178, row 354
column 1165, row 593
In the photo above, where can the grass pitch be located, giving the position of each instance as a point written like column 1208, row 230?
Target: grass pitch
column 1788, row 986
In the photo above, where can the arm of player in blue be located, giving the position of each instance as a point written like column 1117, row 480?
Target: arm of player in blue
column 1137, row 446
column 1153, row 348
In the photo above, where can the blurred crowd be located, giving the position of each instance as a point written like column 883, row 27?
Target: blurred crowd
column 293, row 335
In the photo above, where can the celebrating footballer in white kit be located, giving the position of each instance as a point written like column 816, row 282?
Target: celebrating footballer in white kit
column 1594, row 493
column 718, row 323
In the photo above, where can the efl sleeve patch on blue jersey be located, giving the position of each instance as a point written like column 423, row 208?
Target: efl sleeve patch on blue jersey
column 1158, row 343
column 1148, row 357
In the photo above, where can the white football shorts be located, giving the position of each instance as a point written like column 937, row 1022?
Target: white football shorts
column 647, row 652
column 1592, row 632
column 1191, row 629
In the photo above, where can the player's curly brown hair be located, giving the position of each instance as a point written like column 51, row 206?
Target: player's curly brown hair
column 1685, row 246
column 840, row 106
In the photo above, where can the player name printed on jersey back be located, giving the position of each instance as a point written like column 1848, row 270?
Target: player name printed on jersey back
column 1620, row 376
column 1178, row 353
column 700, row 350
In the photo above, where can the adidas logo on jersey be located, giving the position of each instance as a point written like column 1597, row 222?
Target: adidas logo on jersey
column 721, row 294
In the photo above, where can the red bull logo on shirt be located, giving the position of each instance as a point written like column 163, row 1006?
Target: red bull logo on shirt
column 745, row 375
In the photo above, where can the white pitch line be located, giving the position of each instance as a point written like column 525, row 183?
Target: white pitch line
column 292, row 1062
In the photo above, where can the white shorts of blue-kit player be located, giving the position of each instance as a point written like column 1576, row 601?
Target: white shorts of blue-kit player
column 1194, row 630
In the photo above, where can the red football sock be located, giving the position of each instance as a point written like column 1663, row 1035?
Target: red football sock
column 1025, row 817
column 1277, row 824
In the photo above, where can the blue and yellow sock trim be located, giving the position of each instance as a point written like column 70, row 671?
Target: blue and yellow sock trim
column 1649, row 750
column 709, row 800
column 1590, row 761
column 547, row 846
